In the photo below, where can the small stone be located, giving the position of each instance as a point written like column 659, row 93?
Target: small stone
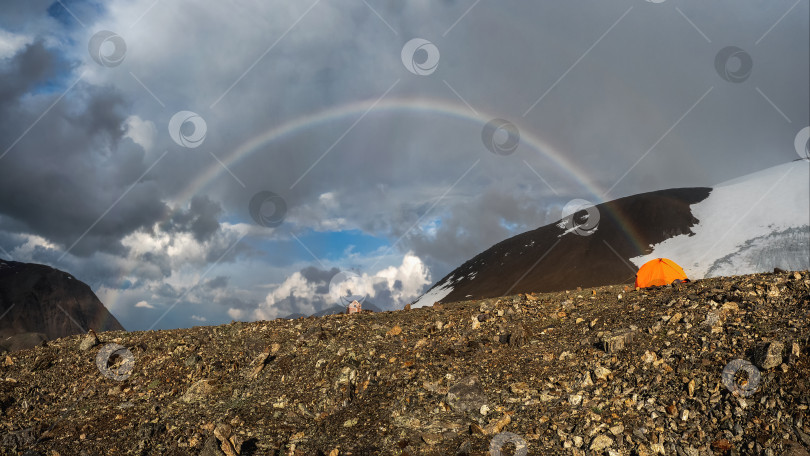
column 432, row 438
column 691, row 387
column 211, row 447
column 475, row 323
column 198, row 391
column 192, row 360
column 675, row 318
column 497, row 426
column 575, row 399
column 768, row 355
column 484, row 410
column 587, row 380
column 601, row 373
column 615, row 342
column 600, row 442
column 476, row 429
column 466, row 395
column 89, row 341
column 395, row 331
column 351, row 422
column 519, row 388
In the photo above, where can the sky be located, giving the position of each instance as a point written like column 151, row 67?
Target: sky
column 197, row 162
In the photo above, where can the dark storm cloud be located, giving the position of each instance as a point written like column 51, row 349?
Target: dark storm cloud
column 319, row 277
column 72, row 165
column 201, row 219
column 27, row 69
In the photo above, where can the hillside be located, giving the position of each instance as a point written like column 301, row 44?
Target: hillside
column 551, row 258
column 586, row 372
column 38, row 303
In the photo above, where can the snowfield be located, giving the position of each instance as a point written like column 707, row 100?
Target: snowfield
column 750, row 224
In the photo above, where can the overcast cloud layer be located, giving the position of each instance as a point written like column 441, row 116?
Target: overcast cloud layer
column 382, row 171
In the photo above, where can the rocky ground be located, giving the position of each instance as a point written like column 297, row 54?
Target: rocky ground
column 587, row 372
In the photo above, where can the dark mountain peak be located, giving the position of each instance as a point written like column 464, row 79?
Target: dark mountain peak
column 35, row 298
column 562, row 256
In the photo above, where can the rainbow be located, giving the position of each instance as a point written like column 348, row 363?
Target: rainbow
column 426, row 106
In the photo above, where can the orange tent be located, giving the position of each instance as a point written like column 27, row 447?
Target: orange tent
column 657, row 272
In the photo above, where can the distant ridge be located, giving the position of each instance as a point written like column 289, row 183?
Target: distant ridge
column 39, row 299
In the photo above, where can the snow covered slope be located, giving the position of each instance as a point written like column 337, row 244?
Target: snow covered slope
column 750, row 224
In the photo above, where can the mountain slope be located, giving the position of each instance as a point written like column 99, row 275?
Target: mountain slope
column 750, row 224
column 39, row 299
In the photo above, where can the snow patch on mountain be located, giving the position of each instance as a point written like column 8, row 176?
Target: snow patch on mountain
column 434, row 295
column 750, row 224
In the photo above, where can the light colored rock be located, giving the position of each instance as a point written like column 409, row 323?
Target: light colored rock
column 600, row 442
column 199, row 390
column 89, row 341
column 601, row 373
